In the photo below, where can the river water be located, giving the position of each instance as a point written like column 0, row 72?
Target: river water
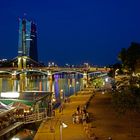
column 67, row 83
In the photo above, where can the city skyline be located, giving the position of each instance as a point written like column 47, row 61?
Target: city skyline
column 73, row 31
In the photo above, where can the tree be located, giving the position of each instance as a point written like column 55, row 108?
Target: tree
column 133, row 54
column 130, row 56
column 127, row 100
column 114, row 67
column 122, row 56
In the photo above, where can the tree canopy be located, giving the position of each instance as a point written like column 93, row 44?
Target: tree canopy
column 129, row 57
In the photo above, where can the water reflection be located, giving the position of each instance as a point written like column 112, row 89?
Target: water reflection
column 25, row 134
column 68, row 83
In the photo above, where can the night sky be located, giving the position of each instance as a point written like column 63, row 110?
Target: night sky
column 72, row 31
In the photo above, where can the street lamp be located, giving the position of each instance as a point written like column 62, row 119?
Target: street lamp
column 62, row 94
column 62, row 125
column 76, row 87
column 77, row 82
column 70, row 89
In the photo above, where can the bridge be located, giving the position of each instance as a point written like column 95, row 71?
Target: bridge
column 24, row 65
column 51, row 71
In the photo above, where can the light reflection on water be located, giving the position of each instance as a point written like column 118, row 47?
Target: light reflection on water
column 69, row 83
column 24, row 134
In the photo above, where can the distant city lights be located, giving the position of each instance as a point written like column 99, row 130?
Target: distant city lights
column 3, row 60
column 52, row 64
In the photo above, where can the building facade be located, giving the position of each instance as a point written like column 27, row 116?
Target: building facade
column 27, row 43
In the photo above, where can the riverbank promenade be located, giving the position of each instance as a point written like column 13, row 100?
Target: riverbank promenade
column 51, row 129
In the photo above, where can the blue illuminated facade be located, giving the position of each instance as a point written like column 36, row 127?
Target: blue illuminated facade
column 27, row 44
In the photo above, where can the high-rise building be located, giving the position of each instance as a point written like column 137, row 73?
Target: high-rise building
column 27, row 44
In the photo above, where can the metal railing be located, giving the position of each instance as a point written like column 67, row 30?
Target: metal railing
column 34, row 117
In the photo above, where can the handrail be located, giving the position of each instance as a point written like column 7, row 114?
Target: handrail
column 34, row 117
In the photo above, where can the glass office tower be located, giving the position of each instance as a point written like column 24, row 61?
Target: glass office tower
column 27, row 44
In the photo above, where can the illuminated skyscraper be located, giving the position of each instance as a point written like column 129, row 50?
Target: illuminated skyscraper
column 27, row 44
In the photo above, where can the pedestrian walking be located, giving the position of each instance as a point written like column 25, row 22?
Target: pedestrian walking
column 74, row 118
column 84, row 118
column 77, row 119
column 87, row 117
column 78, row 109
column 61, row 109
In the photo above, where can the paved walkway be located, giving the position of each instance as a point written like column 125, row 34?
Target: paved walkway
column 50, row 129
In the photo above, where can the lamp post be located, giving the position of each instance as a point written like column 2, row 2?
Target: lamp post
column 77, row 87
column 70, row 89
column 62, row 96
column 62, row 125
